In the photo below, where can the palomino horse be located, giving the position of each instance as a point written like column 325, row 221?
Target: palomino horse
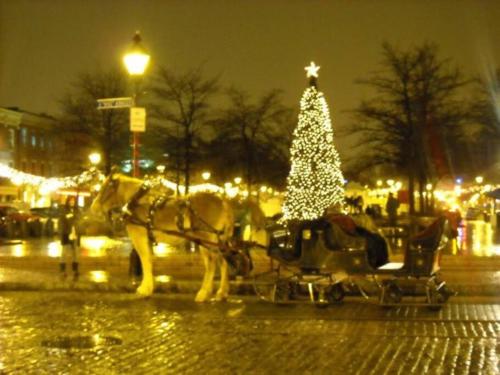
column 202, row 217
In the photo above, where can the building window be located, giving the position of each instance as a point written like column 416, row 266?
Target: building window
column 33, row 140
column 24, row 136
column 12, row 138
column 41, row 141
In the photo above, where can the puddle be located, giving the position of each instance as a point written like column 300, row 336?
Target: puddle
column 80, row 342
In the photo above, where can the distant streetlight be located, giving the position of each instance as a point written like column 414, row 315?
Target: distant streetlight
column 136, row 61
column 206, row 175
column 479, row 179
column 95, row 158
column 237, row 180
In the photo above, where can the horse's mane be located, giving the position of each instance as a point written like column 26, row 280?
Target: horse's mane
column 125, row 178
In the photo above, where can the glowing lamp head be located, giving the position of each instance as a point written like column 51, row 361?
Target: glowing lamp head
column 237, row 180
column 205, row 175
column 95, row 158
column 479, row 179
column 136, row 60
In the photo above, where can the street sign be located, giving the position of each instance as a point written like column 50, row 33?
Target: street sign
column 114, row 103
column 137, row 119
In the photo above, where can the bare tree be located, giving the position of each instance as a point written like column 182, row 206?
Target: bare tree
column 416, row 110
column 181, row 107
column 485, row 114
column 104, row 130
column 257, row 135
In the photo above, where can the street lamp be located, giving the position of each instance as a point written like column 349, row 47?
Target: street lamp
column 136, row 61
column 206, row 175
column 95, row 159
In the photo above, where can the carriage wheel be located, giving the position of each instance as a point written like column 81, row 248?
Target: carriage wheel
column 265, row 284
column 392, row 293
column 336, row 293
column 282, row 291
column 438, row 297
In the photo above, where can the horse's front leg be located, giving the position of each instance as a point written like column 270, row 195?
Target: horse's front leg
column 139, row 237
column 209, row 261
column 223, row 292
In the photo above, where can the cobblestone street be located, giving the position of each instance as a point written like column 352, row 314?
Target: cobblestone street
column 102, row 333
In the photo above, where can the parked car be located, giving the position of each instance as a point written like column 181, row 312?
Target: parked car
column 49, row 218
column 17, row 223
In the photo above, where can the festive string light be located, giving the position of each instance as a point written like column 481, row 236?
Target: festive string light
column 315, row 181
column 47, row 185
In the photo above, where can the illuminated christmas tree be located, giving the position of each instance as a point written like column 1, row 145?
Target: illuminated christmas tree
column 315, row 181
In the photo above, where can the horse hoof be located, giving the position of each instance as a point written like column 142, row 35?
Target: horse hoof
column 201, row 297
column 221, row 297
column 144, row 291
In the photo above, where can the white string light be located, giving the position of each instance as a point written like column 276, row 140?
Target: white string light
column 315, row 181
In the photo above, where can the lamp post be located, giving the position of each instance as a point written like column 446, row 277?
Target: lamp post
column 136, row 61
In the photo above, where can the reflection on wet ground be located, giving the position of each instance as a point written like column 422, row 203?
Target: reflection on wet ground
column 476, row 238
column 91, row 246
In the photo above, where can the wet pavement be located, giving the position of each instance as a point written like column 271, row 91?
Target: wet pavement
column 470, row 265
column 92, row 333
column 96, row 325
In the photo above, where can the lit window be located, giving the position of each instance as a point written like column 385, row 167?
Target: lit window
column 12, row 138
column 24, row 136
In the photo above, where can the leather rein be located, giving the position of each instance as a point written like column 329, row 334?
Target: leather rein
column 184, row 208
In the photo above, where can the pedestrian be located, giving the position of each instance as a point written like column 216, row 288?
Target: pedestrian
column 359, row 204
column 70, row 240
column 391, row 207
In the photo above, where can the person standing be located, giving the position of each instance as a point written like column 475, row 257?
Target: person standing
column 391, row 207
column 70, row 241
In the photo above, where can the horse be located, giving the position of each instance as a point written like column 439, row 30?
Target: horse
column 204, row 218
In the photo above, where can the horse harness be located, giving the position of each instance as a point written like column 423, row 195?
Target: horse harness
column 185, row 208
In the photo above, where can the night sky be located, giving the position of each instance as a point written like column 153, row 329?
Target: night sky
column 255, row 45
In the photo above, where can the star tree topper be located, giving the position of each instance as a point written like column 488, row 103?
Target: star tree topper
column 312, row 70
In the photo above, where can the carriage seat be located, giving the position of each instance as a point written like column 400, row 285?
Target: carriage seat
column 430, row 238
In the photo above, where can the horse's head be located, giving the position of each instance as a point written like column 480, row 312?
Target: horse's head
column 106, row 199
